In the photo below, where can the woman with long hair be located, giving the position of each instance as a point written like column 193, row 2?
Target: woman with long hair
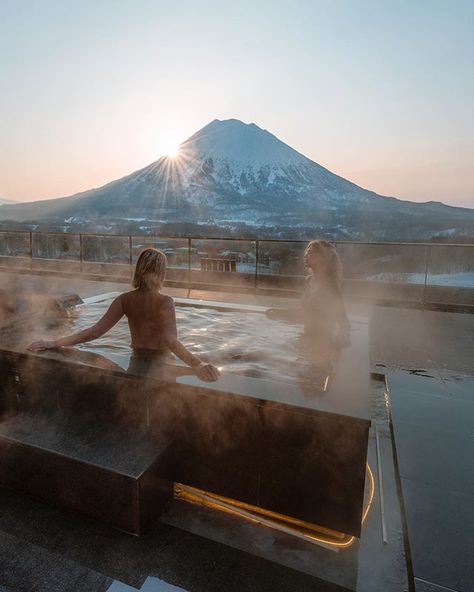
column 151, row 319
column 324, row 312
column 322, row 309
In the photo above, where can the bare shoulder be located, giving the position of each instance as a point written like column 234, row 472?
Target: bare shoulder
column 166, row 301
column 125, row 295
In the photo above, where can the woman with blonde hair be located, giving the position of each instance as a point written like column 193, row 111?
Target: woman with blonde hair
column 322, row 311
column 151, row 319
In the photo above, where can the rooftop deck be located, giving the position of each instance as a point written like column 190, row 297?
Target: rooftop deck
column 417, row 536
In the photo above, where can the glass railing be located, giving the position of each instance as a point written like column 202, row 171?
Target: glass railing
column 417, row 272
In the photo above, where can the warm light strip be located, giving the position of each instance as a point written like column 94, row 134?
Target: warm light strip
column 274, row 520
column 229, row 509
column 260, row 511
column 325, row 387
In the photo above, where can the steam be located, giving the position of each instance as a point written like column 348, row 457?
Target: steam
column 31, row 310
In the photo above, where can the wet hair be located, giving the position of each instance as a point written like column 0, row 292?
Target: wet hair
column 150, row 269
column 332, row 266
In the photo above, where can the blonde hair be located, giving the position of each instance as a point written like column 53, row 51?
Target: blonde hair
column 331, row 263
column 150, row 269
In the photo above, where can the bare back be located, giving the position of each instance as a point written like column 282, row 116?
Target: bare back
column 151, row 317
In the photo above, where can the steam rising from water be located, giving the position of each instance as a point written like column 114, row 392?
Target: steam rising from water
column 29, row 309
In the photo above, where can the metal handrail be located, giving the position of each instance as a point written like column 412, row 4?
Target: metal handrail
column 236, row 239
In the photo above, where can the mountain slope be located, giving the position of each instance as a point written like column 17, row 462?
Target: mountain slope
column 5, row 201
column 230, row 172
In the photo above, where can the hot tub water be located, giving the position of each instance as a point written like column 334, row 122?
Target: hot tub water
column 238, row 342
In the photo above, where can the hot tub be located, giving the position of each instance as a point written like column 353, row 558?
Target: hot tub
column 239, row 341
column 268, row 435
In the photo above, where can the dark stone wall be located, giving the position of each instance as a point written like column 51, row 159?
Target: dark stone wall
column 300, row 462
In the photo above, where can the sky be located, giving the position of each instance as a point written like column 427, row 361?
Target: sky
column 380, row 92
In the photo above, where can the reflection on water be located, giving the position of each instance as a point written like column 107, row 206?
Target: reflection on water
column 238, row 342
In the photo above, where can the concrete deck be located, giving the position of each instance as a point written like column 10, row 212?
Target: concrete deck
column 429, row 360
column 197, row 549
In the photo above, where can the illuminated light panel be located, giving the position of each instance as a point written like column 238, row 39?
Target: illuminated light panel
column 320, row 535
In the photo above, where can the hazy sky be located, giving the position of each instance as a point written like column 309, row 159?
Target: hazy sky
column 380, row 92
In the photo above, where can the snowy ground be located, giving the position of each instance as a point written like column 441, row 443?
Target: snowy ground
column 460, row 279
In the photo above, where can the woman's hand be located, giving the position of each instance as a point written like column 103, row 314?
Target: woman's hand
column 207, row 372
column 41, row 345
column 273, row 313
column 292, row 315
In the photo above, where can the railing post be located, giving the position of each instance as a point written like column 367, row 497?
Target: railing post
column 255, row 282
column 189, row 265
column 31, row 250
column 427, row 262
column 130, row 254
column 81, row 251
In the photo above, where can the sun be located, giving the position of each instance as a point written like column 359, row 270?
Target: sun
column 169, row 143
column 172, row 150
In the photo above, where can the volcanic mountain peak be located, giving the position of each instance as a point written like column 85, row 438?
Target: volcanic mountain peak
column 231, row 173
column 240, row 143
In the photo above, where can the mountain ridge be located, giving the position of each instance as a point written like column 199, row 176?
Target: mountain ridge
column 229, row 173
column 6, row 201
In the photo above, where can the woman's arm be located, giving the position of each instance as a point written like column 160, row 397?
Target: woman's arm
column 344, row 336
column 110, row 318
column 204, row 371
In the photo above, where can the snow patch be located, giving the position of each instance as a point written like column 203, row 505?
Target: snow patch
column 463, row 279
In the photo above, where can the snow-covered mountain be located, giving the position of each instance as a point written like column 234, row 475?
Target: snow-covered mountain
column 5, row 201
column 230, row 172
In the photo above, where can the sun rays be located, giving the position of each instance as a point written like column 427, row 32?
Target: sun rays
column 173, row 169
